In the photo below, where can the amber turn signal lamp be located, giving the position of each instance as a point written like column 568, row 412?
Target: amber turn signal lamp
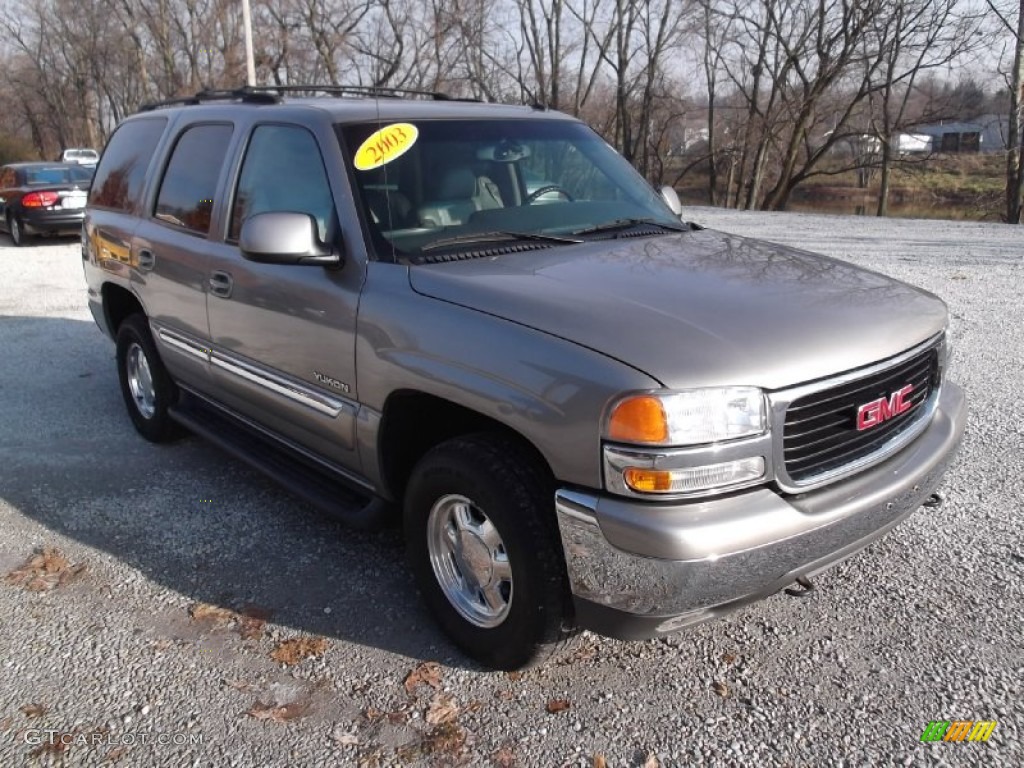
column 639, row 419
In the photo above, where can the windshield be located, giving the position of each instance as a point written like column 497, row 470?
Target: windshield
column 438, row 186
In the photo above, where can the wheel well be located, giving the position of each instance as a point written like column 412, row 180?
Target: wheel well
column 118, row 303
column 414, row 422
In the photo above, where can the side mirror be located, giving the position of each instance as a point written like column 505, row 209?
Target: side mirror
column 668, row 194
column 281, row 237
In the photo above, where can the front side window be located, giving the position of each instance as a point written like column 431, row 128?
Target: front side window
column 190, row 181
column 283, row 171
column 429, row 187
column 122, row 171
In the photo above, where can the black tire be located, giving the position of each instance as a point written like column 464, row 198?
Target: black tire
column 152, row 422
column 16, row 230
column 509, row 487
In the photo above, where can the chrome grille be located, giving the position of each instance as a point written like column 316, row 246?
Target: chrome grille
column 820, row 434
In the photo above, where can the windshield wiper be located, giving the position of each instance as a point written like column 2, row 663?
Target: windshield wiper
column 620, row 224
column 496, row 236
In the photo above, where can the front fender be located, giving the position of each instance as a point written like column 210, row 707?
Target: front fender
column 549, row 390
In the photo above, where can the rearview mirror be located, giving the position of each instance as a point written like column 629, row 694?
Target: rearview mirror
column 283, row 237
column 668, row 194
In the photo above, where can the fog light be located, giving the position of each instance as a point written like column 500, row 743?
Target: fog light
column 694, row 478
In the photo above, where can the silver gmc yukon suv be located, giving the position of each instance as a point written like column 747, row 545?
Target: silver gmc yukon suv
column 479, row 319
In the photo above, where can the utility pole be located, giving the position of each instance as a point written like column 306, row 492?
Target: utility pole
column 250, row 63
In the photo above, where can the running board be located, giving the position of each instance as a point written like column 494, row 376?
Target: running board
column 327, row 491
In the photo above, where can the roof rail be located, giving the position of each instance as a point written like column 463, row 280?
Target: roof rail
column 243, row 94
column 354, row 90
column 271, row 94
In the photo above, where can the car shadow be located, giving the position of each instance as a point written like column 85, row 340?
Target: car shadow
column 38, row 240
column 186, row 515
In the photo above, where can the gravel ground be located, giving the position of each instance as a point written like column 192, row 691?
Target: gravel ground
column 159, row 651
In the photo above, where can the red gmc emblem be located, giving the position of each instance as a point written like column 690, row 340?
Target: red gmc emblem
column 884, row 408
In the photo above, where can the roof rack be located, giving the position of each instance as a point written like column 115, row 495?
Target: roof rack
column 271, row 94
column 224, row 94
column 354, row 90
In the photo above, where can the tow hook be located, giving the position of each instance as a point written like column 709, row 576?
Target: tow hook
column 806, row 585
column 935, row 501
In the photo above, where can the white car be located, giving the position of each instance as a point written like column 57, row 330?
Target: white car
column 80, row 156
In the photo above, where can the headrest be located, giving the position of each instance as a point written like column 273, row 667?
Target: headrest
column 458, row 183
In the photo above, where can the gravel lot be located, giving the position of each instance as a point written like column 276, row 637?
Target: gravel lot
column 157, row 654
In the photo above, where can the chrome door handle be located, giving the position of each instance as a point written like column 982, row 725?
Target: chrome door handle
column 220, row 284
column 146, row 260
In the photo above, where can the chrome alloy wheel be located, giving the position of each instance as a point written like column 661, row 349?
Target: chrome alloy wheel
column 140, row 380
column 469, row 561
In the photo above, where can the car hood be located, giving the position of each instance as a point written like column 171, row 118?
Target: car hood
column 701, row 308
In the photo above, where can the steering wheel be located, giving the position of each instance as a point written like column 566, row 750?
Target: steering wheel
column 544, row 190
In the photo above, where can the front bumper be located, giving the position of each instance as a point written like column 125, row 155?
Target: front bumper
column 640, row 569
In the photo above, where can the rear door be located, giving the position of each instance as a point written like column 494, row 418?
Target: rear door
column 172, row 245
column 283, row 337
column 115, row 200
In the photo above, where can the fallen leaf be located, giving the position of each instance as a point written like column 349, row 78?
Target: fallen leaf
column 473, row 706
column 652, row 761
column 429, row 672
column 293, row 651
column 370, row 759
column 409, row 753
column 372, row 714
column 279, row 714
column 446, row 738
column 557, row 705
column 250, row 628
column 721, row 689
column 729, row 658
column 580, row 653
column 504, row 757
column 514, row 676
column 33, row 710
column 241, row 685
column 115, row 754
column 344, row 737
column 504, row 695
column 441, row 710
column 599, row 761
column 54, row 744
column 211, row 614
column 45, row 570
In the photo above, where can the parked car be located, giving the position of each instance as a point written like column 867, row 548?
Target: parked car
column 587, row 413
column 42, row 198
column 82, row 156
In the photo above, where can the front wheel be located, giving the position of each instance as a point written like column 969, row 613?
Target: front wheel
column 145, row 384
column 483, row 546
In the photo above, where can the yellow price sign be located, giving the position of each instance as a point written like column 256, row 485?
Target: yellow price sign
column 383, row 146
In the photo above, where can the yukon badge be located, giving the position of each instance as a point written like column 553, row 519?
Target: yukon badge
column 330, row 381
column 874, row 413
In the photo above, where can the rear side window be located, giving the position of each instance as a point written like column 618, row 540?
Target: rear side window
column 121, row 173
column 186, row 192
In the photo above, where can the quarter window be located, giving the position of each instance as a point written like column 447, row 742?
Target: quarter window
column 190, row 182
column 121, row 172
column 283, row 171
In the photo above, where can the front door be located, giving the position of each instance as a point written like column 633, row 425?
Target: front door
column 283, row 337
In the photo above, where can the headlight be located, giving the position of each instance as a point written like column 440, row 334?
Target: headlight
column 693, row 417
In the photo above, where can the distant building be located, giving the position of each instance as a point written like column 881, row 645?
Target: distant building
column 986, row 133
